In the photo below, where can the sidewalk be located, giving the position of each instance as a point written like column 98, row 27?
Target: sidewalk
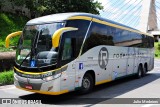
column 6, row 86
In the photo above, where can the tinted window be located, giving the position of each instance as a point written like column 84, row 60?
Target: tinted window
column 151, row 42
column 98, row 35
column 135, row 40
column 82, row 26
column 127, row 38
column 121, row 37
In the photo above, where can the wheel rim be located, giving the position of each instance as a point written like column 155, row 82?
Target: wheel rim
column 86, row 83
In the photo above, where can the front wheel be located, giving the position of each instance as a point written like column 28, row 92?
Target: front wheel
column 87, row 83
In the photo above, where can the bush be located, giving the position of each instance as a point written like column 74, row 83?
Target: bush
column 6, row 77
column 158, row 47
column 10, row 23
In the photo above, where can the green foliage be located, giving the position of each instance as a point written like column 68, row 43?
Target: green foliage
column 1, row 2
column 6, row 77
column 19, row 2
column 45, row 7
column 157, row 49
column 2, row 49
column 10, row 23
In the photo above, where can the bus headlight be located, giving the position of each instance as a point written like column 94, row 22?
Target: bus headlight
column 52, row 77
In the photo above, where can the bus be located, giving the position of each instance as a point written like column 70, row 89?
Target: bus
column 65, row 52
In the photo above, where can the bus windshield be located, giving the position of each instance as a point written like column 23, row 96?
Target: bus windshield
column 35, row 45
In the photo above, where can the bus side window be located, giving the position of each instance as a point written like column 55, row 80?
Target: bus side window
column 67, row 49
column 99, row 34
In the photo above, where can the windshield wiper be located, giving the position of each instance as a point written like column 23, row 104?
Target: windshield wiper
column 25, row 58
column 30, row 53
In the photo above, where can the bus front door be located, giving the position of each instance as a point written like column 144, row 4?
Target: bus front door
column 67, row 59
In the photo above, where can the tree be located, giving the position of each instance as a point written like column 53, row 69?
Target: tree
column 1, row 4
column 88, row 6
column 45, row 7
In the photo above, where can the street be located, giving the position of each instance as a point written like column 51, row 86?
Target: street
column 146, row 87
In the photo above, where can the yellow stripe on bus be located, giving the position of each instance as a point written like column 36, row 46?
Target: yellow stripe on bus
column 103, row 81
column 117, row 26
column 37, row 73
column 106, row 23
column 45, row 92
column 80, row 17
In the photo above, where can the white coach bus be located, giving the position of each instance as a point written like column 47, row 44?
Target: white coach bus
column 64, row 52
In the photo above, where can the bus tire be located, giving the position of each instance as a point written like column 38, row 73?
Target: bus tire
column 145, row 70
column 87, row 83
column 140, row 72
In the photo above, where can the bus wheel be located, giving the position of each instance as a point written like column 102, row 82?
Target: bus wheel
column 87, row 83
column 140, row 72
column 145, row 70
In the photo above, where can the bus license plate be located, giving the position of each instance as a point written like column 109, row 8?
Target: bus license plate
column 29, row 87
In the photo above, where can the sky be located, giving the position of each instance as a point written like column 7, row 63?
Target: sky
column 125, row 11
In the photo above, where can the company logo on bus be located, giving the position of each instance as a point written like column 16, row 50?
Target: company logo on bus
column 103, row 57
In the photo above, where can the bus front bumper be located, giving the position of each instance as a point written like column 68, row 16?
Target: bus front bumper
column 38, row 85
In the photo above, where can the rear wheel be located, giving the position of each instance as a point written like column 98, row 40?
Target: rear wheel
column 87, row 83
column 140, row 72
column 145, row 70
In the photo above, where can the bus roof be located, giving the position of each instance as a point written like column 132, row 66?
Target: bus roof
column 55, row 18
column 66, row 16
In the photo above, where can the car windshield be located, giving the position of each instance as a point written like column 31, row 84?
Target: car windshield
column 35, row 45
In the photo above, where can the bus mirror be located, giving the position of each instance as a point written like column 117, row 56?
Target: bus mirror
column 56, row 36
column 18, row 33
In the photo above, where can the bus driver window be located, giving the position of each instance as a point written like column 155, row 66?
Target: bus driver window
column 67, row 49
